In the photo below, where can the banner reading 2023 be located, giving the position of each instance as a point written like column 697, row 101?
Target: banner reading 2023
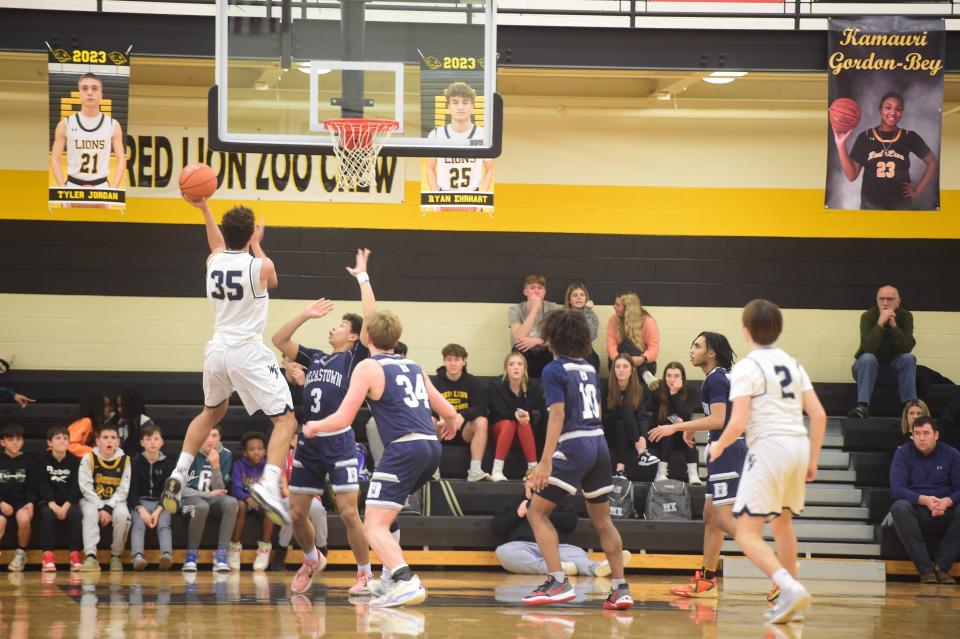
column 886, row 103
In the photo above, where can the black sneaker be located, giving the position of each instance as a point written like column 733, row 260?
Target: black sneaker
column 861, row 411
column 279, row 561
column 549, row 592
column 618, row 598
column 646, row 458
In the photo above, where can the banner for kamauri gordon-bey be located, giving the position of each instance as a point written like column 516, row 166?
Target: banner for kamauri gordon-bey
column 886, row 103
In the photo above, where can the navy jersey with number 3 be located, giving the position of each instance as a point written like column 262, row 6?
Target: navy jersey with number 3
column 573, row 382
column 327, row 378
column 404, row 407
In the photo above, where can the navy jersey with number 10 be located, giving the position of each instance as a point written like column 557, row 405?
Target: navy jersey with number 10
column 404, row 407
column 573, row 382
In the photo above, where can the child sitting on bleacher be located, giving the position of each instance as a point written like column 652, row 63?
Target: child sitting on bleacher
column 104, row 483
column 206, row 493
column 17, row 492
column 59, row 498
column 246, row 472
column 149, row 471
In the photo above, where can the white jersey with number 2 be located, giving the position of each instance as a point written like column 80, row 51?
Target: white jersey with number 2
column 239, row 303
column 776, row 383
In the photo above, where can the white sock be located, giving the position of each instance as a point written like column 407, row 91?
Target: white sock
column 365, row 568
column 531, row 465
column 184, row 463
column 497, row 466
column 692, row 470
column 475, row 465
column 785, row 580
column 312, row 555
column 271, row 475
column 558, row 576
column 662, row 470
column 385, row 573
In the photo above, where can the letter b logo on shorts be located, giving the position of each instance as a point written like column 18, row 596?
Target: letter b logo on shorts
column 374, row 490
column 719, row 490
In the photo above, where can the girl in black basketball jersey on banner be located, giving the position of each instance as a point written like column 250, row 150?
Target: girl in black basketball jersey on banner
column 885, row 152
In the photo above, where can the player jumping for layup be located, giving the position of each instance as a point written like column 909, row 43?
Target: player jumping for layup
column 236, row 358
column 334, row 454
column 400, row 397
column 575, row 454
column 770, row 392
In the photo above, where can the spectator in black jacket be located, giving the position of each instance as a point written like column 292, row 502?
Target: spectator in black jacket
column 59, row 498
column 669, row 406
column 468, row 395
column 515, row 404
column 148, row 472
column 519, row 551
column 17, row 492
column 130, row 420
column 625, row 422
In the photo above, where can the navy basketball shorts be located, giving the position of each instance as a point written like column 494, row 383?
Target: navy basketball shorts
column 581, row 462
column 723, row 475
column 406, row 465
column 315, row 458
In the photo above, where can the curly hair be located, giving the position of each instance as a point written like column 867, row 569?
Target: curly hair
column 567, row 333
column 237, row 227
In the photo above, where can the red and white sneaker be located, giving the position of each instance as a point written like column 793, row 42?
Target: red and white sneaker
column 549, row 592
column 76, row 560
column 362, row 587
column 47, row 564
column 304, row 577
column 618, row 598
column 699, row 586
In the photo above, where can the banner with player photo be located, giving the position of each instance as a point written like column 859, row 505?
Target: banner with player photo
column 89, row 98
column 452, row 107
column 885, row 110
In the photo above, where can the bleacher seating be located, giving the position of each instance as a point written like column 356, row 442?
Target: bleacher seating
column 843, row 498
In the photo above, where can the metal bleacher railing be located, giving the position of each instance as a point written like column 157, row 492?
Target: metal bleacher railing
column 770, row 14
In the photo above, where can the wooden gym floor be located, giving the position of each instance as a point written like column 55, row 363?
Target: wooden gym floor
column 152, row 605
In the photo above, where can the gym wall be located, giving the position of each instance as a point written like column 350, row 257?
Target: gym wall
column 698, row 214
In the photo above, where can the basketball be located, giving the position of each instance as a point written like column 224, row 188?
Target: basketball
column 844, row 114
column 198, row 181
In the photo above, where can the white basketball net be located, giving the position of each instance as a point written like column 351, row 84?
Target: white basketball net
column 357, row 143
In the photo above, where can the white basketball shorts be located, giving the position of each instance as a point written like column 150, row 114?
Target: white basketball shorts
column 252, row 370
column 774, row 477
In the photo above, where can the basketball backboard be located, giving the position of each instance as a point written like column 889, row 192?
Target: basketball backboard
column 285, row 67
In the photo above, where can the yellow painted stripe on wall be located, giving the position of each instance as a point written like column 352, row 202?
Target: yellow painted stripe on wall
column 628, row 210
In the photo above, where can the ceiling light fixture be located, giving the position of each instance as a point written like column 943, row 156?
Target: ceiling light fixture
column 724, row 77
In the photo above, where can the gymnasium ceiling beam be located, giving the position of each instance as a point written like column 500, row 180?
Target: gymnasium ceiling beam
column 518, row 46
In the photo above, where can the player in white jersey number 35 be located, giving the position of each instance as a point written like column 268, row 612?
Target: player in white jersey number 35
column 236, row 358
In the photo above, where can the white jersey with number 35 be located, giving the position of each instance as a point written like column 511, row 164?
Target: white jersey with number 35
column 776, row 383
column 239, row 303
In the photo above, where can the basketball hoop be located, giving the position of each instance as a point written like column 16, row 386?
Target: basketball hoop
column 357, row 143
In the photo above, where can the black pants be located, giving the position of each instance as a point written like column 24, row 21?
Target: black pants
column 622, row 434
column 49, row 523
column 912, row 520
column 627, row 346
column 673, row 442
column 537, row 359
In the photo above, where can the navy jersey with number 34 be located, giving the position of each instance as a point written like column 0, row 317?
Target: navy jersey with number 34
column 573, row 382
column 404, row 407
